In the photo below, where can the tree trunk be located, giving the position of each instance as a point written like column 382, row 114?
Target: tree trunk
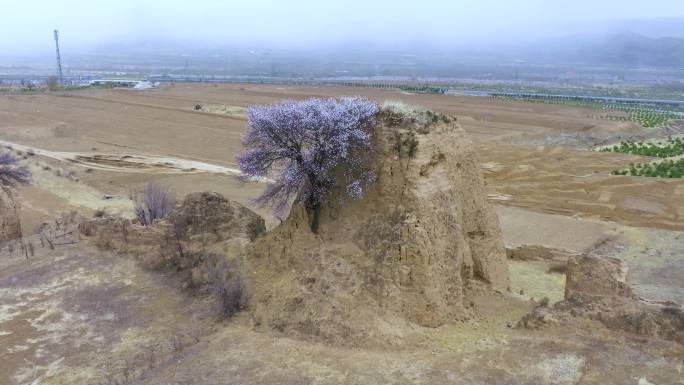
column 314, row 215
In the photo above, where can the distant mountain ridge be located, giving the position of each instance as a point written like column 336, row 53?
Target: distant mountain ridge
column 637, row 50
column 622, row 49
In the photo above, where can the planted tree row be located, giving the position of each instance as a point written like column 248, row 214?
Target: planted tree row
column 672, row 147
column 648, row 115
column 664, row 169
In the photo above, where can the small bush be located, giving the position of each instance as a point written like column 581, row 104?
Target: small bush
column 99, row 213
column 152, row 203
column 232, row 296
column 398, row 114
column 544, row 302
column 198, row 107
column 397, row 143
column 405, row 144
column 411, row 146
column 227, row 283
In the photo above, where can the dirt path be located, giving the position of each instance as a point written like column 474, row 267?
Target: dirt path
column 129, row 163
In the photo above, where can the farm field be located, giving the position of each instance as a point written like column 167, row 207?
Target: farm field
column 534, row 155
column 551, row 189
column 646, row 115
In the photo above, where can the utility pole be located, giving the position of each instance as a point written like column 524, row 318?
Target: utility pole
column 59, row 59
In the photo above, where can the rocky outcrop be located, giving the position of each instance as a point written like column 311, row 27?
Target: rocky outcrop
column 10, row 225
column 404, row 254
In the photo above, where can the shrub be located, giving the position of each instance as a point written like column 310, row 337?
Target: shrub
column 151, row 203
column 405, row 144
column 232, row 296
column 309, row 148
column 398, row 114
column 99, row 213
column 544, row 302
column 11, row 173
column 198, row 107
column 227, row 283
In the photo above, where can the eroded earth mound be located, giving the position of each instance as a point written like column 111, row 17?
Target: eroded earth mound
column 597, row 289
column 404, row 255
column 203, row 228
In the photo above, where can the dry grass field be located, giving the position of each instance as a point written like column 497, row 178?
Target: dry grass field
column 534, row 155
column 549, row 189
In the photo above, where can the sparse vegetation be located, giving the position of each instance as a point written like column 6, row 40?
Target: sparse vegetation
column 151, row 203
column 405, row 144
column 227, row 283
column 409, row 121
column 420, row 120
column 544, row 302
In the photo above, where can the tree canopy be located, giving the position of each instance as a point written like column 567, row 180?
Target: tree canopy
column 308, row 148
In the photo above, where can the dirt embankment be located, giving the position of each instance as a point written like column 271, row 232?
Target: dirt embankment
column 202, row 226
column 403, row 255
column 597, row 289
column 10, row 226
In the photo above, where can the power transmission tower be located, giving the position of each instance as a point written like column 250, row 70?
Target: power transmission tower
column 59, row 59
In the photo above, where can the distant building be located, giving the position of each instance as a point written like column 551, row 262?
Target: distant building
column 124, row 83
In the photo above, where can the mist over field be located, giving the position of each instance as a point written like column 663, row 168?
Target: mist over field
column 131, row 32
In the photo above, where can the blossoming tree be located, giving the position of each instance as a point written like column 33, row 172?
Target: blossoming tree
column 308, row 148
column 11, row 173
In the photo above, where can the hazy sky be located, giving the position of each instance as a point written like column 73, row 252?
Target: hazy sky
column 27, row 24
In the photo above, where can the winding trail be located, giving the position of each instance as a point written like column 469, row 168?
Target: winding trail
column 130, row 163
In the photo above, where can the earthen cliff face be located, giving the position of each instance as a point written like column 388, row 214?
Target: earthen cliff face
column 404, row 254
column 10, row 225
